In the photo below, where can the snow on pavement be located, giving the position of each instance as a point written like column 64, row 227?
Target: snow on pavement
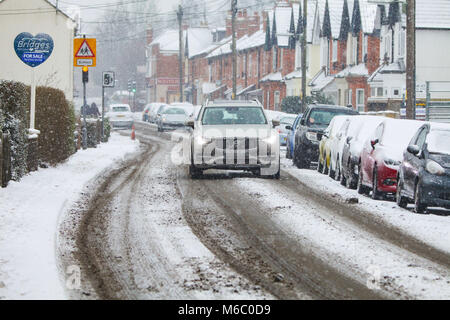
column 29, row 215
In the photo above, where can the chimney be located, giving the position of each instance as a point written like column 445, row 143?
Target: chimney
column 149, row 36
column 228, row 25
column 254, row 23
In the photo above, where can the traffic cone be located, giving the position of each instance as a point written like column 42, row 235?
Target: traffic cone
column 133, row 132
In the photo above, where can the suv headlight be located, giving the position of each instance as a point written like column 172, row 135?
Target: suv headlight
column 434, row 168
column 392, row 163
column 311, row 136
column 271, row 140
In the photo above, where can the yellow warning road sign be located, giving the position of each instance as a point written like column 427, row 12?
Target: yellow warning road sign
column 84, row 52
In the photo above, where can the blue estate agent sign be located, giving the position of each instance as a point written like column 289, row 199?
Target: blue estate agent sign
column 33, row 50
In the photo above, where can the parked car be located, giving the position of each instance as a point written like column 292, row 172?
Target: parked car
column 287, row 121
column 382, row 155
column 153, row 113
column 362, row 128
column 291, row 137
column 312, row 125
column 188, row 107
column 234, row 135
column 424, row 175
column 172, row 118
column 329, row 141
column 120, row 116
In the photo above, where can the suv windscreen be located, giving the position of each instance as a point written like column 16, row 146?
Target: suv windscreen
column 439, row 141
column 323, row 117
column 233, row 115
column 174, row 111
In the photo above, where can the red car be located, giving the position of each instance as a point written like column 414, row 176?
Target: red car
column 382, row 155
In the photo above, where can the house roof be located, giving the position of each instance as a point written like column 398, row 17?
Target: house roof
column 354, row 71
column 51, row 3
column 320, row 81
column 312, row 4
column 392, row 68
column 276, row 76
column 168, row 40
column 197, row 40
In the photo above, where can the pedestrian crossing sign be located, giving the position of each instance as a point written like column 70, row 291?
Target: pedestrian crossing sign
column 84, row 50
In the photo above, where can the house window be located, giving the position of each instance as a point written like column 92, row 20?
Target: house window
column 387, row 47
column 402, row 44
column 274, row 59
column 244, row 65
column 396, row 92
column 250, row 66
column 350, row 97
column 210, row 73
column 360, row 100
column 379, row 92
column 298, row 56
column 277, row 100
column 268, row 100
column 335, row 50
column 365, row 45
column 355, row 50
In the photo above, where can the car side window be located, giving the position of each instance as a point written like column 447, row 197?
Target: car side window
column 379, row 132
column 421, row 138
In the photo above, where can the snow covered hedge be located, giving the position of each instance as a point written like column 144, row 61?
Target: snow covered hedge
column 14, row 99
column 55, row 118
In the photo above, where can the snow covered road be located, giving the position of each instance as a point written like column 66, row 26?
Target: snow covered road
column 150, row 232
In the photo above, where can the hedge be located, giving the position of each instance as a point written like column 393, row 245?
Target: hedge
column 55, row 119
column 14, row 98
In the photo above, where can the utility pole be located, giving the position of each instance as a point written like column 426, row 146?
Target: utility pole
column 233, row 45
column 304, row 39
column 180, row 23
column 411, row 59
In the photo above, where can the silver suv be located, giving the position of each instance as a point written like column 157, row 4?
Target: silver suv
column 234, row 135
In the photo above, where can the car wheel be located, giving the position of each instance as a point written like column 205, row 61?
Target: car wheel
column 324, row 165
column 343, row 179
column 337, row 175
column 419, row 206
column 376, row 195
column 319, row 165
column 402, row 202
column 331, row 172
column 299, row 160
column 288, row 152
column 362, row 189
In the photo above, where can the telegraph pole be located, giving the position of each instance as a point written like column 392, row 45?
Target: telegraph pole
column 411, row 59
column 233, row 45
column 304, row 39
column 180, row 23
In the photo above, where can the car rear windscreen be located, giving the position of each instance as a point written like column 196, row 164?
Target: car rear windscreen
column 233, row 115
column 120, row 109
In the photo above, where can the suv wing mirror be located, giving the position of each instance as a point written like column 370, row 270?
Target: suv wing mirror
column 275, row 123
column 190, row 123
column 414, row 149
column 288, row 128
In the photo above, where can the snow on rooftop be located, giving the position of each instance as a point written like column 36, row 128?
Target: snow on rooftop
column 198, row 40
column 168, row 41
column 320, row 81
column 358, row 70
column 276, row 76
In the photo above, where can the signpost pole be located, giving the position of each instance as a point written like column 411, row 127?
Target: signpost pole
column 103, row 112
column 84, row 117
column 33, row 101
